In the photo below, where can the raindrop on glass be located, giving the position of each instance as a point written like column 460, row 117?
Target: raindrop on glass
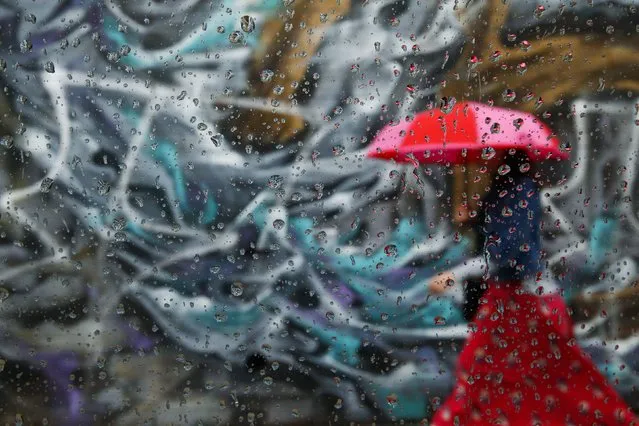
column 447, row 104
column 390, row 250
column 237, row 289
column 439, row 320
column 236, row 37
column 247, row 23
column 392, row 400
column 275, row 181
column 524, row 167
column 504, row 169
column 488, row 153
column 522, row 68
column 266, row 75
column 26, row 46
column 103, row 187
column 509, row 95
column 338, row 150
column 46, row 185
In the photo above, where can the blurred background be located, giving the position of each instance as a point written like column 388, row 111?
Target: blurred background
column 191, row 232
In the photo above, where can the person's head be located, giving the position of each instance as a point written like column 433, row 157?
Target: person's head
column 473, row 182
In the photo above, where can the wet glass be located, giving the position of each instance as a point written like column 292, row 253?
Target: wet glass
column 271, row 211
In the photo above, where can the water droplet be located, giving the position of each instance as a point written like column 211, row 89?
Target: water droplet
column 495, row 56
column 296, row 196
column 103, row 187
column 30, row 17
column 525, row 45
column 247, row 23
column 4, row 294
column 266, row 75
column 220, row 316
column 202, row 126
column 237, row 289
column 488, row 153
column 6, row 141
column 504, row 169
column 392, row 400
column 473, row 62
column 275, row 365
column 390, row 250
column 509, row 95
column 120, row 309
column 118, row 223
column 275, row 181
column 518, row 122
column 522, row 68
column 338, row 150
column 439, row 320
column 525, row 167
column 446, row 104
column 268, row 381
column 46, row 185
column 330, row 316
column 378, row 46
column 278, row 224
column 506, row 212
column 216, row 140
column 384, row 316
column 236, row 37
column 495, row 128
column 221, row 29
column 539, row 11
column 26, row 46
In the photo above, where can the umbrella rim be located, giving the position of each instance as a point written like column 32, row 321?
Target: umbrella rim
column 460, row 146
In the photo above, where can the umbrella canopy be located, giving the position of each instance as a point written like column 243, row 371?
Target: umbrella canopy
column 469, row 132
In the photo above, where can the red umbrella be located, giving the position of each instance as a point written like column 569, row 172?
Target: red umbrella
column 469, row 132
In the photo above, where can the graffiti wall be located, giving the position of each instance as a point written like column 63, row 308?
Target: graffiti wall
column 191, row 231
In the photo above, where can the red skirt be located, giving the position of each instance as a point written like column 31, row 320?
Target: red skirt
column 521, row 365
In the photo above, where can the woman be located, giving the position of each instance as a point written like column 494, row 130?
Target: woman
column 521, row 364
